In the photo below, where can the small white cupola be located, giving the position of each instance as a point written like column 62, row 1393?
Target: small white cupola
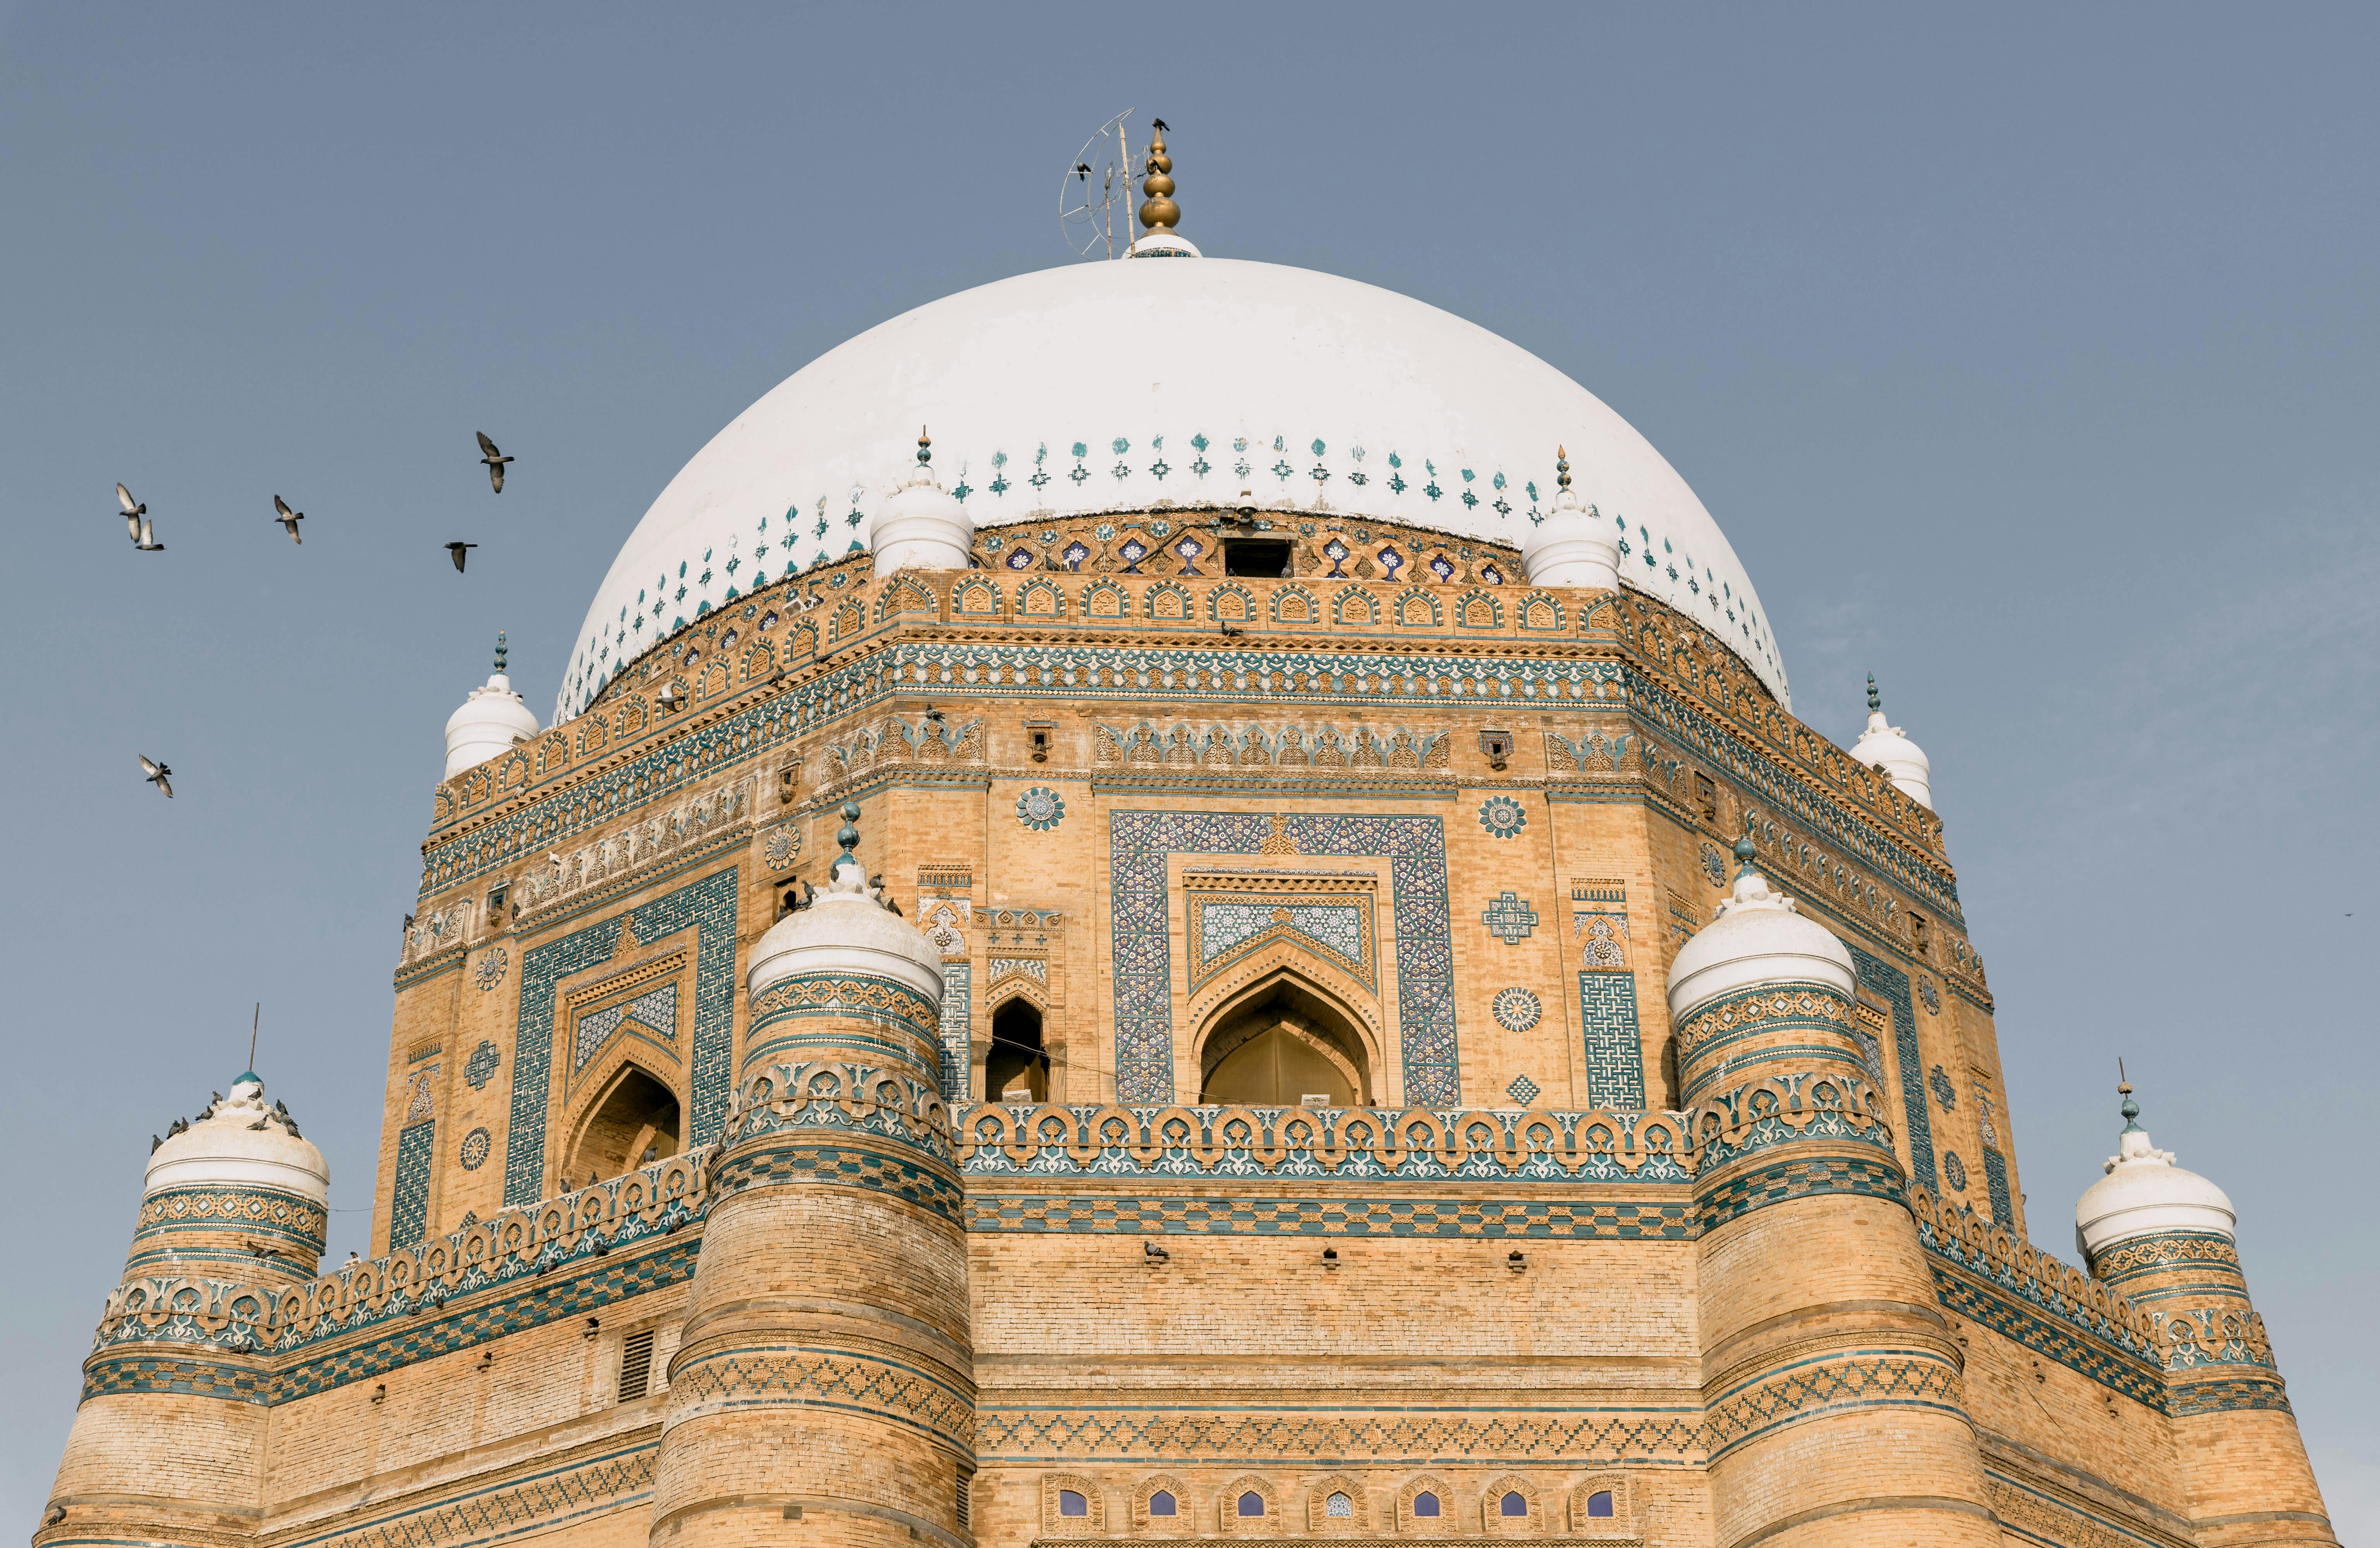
column 922, row 526
column 1883, row 748
column 2145, row 1194
column 237, row 1141
column 488, row 722
column 1570, row 546
column 1755, row 936
column 846, row 930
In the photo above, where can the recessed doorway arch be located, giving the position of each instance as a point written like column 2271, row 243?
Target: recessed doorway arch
column 1282, row 1040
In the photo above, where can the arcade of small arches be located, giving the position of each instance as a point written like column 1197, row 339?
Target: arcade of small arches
column 1428, row 1505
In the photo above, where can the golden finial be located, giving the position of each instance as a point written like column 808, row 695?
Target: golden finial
column 925, row 447
column 1158, row 211
column 1562, row 466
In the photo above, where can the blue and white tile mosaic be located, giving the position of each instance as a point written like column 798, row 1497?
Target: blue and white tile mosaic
column 655, row 1010
column 480, row 1068
column 490, row 970
column 474, row 1152
column 1509, row 918
column 1522, row 1090
column 1502, row 816
column 1517, row 1009
column 1040, row 809
column 1615, row 1051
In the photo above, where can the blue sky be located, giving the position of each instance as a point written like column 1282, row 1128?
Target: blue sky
column 2027, row 356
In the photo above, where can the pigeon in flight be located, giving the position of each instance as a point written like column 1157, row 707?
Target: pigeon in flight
column 144, row 537
column 133, row 512
column 669, row 696
column 493, row 459
column 156, row 774
column 456, row 551
column 289, row 519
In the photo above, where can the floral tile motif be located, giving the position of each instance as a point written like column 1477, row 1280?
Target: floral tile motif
column 1502, row 816
column 1954, row 1170
column 1509, row 918
column 1416, row 848
column 1931, row 996
column 474, row 1154
column 1040, row 809
column 784, row 843
column 490, row 972
column 1517, row 1009
column 1714, row 866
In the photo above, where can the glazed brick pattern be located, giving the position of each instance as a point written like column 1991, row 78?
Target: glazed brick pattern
column 1890, row 982
column 1615, row 1048
column 408, row 1216
column 1236, row 1215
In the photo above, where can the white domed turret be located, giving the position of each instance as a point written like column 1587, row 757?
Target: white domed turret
column 1756, row 936
column 921, row 526
column 490, row 722
column 239, row 1140
column 1570, row 547
column 846, row 929
column 2145, row 1194
column 1883, row 748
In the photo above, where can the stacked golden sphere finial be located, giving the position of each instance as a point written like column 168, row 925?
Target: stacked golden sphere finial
column 1561, row 466
column 1158, row 211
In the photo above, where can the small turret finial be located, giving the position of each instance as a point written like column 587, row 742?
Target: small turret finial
column 1743, row 854
column 2131, row 1109
column 1158, row 211
column 1874, row 701
column 925, row 447
column 1562, row 466
column 848, row 837
column 501, row 650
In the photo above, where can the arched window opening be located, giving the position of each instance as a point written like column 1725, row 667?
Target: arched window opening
column 1280, row 1047
column 636, row 1121
column 1425, row 1504
column 1599, row 1503
column 1070, row 1503
column 1015, row 1058
column 1251, row 1503
column 1338, row 1506
column 1163, row 1503
column 1513, row 1504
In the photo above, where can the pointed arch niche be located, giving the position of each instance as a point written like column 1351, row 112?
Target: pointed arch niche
column 635, row 1118
column 1285, row 1038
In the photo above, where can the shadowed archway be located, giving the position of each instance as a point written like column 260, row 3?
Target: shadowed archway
column 1281, row 1044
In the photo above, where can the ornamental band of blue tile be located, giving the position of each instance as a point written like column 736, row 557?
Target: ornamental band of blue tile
column 1995, row 1175
column 1239, row 1214
column 958, row 1008
column 1876, row 973
column 1615, row 1048
column 1416, row 848
column 707, row 906
column 409, row 1212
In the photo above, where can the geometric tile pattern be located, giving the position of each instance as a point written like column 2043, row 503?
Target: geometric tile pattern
column 708, row 906
column 1139, row 843
column 543, row 1500
column 196, row 1378
column 1615, row 1049
column 805, row 1377
column 2060, row 1341
column 409, row 1212
column 655, row 1008
column 1241, row 1215
column 1517, row 1009
column 1894, row 1381
column 1996, row 1175
column 958, row 1005
column 1222, row 927
column 1876, row 973
column 776, row 1164
column 2231, row 1392
column 1402, row 1437
column 1509, row 918
column 1748, row 1191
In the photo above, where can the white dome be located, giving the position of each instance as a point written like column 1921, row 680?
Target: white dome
column 1886, row 748
column 1140, row 385
column 241, row 1141
column 2145, row 1194
column 921, row 526
column 488, row 723
column 1756, row 936
column 846, row 930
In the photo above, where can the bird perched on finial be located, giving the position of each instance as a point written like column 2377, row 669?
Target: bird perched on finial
column 456, row 552
column 133, row 512
column 492, row 460
column 156, row 774
column 287, row 518
column 1158, row 211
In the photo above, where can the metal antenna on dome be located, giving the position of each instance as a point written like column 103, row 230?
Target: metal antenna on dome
column 1087, row 222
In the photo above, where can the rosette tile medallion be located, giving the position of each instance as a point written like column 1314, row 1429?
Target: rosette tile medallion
column 1040, row 809
column 802, row 1124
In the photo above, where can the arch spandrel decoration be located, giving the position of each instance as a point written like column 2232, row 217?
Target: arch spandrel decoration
column 1226, row 918
column 1140, row 845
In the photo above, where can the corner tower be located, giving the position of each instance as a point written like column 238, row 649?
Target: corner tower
column 827, row 1371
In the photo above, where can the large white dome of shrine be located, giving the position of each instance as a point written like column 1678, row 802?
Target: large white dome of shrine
column 1153, row 384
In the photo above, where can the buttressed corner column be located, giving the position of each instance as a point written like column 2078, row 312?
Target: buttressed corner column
column 1833, row 1388
column 826, row 1375
column 2162, row 1237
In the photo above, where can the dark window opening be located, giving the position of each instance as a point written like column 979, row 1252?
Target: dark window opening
column 1244, row 556
column 1070, row 1503
column 636, row 1364
column 1425, row 1504
column 1251, row 1503
column 636, row 1121
column 1707, row 797
column 1511, row 1504
column 1920, row 933
column 1015, row 1059
column 1161, row 1504
column 1599, row 1503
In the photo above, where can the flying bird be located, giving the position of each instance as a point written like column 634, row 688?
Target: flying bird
column 144, row 537
column 493, row 459
column 133, row 512
column 156, row 774
column 669, row 696
column 288, row 518
column 455, row 551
